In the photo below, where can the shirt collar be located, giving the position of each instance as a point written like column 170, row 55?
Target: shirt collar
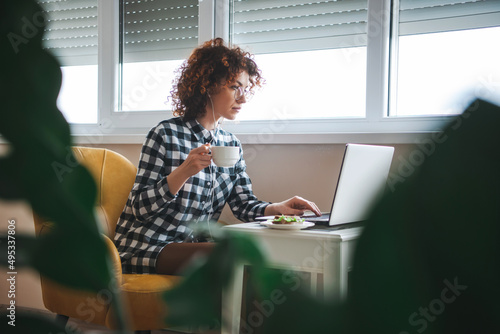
column 201, row 134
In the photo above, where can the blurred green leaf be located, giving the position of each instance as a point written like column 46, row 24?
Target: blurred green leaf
column 40, row 166
column 8, row 187
column 303, row 313
column 68, row 261
column 68, row 198
column 78, row 263
column 197, row 300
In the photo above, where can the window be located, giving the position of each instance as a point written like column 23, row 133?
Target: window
column 156, row 37
column 312, row 55
column 71, row 36
column 447, row 53
column 335, row 69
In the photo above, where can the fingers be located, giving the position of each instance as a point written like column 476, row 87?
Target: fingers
column 197, row 159
column 201, row 153
column 200, row 156
column 203, row 149
column 293, row 212
column 314, row 208
column 300, row 205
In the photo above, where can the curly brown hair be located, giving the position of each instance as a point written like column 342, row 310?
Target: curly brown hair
column 209, row 68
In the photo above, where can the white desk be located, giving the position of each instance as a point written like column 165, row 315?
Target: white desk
column 327, row 252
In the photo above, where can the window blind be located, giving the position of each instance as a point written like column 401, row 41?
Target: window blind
column 159, row 29
column 71, row 33
column 427, row 16
column 267, row 26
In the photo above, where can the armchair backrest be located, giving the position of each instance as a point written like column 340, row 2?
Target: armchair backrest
column 114, row 176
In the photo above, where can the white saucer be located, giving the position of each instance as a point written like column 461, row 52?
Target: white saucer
column 293, row 226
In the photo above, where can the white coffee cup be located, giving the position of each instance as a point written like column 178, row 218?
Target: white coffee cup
column 225, row 156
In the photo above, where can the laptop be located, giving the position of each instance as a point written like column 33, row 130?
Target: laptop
column 361, row 183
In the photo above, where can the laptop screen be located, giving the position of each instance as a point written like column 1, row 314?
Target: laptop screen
column 361, row 182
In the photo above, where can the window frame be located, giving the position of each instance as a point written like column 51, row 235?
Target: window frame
column 131, row 127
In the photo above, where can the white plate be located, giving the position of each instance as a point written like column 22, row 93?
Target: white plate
column 295, row 226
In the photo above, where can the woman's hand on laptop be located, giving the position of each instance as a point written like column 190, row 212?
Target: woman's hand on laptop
column 295, row 206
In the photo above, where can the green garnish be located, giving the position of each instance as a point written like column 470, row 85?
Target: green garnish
column 288, row 219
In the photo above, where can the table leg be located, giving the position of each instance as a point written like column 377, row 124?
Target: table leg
column 231, row 302
column 332, row 271
column 337, row 272
column 314, row 284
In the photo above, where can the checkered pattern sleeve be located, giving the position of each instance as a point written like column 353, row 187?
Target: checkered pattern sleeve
column 150, row 191
column 242, row 201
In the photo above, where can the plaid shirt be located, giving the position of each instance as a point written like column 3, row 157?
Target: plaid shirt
column 153, row 217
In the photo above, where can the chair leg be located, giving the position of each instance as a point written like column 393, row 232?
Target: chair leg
column 61, row 320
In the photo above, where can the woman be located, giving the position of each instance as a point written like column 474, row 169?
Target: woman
column 177, row 182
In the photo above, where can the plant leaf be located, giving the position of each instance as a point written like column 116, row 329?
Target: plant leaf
column 40, row 166
column 79, row 263
column 197, row 300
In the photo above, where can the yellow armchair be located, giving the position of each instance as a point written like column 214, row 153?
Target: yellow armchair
column 141, row 294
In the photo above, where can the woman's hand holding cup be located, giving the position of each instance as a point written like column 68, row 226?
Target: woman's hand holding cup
column 197, row 160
